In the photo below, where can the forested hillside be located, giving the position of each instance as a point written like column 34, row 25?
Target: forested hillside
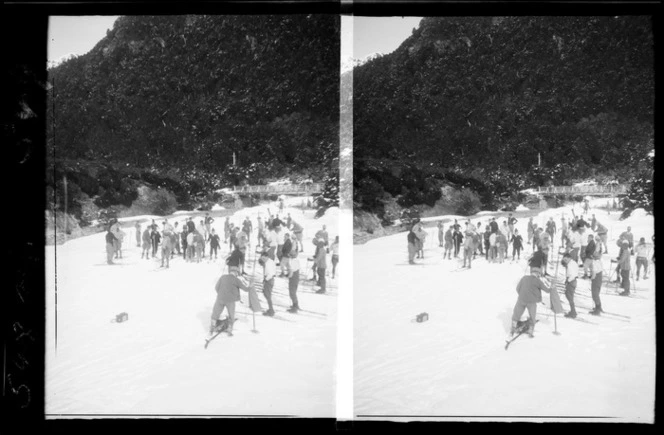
column 167, row 100
column 476, row 101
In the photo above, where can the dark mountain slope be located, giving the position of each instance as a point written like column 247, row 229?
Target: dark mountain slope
column 483, row 96
column 190, row 90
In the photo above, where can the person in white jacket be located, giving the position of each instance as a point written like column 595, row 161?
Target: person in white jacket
column 269, row 271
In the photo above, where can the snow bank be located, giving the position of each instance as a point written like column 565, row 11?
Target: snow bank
column 521, row 207
column 218, row 207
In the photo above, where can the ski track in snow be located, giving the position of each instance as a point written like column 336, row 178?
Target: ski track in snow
column 155, row 363
column 455, row 365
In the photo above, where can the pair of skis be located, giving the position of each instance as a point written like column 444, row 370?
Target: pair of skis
column 522, row 327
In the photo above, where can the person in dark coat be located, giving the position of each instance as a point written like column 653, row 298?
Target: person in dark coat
column 228, row 292
column 529, row 289
column 494, row 225
column 588, row 257
column 110, row 246
column 457, row 236
column 156, row 238
column 214, row 243
column 412, row 245
column 517, row 244
column 285, row 255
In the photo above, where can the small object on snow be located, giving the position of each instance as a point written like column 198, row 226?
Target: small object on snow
column 422, row 317
column 122, row 317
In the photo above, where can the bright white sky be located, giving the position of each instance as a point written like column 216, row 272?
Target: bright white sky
column 381, row 34
column 79, row 34
column 76, row 34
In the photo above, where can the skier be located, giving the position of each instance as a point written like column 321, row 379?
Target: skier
column 602, row 232
column 531, row 231
column 574, row 244
column 232, row 235
column 334, row 247
column 441, row 234
column 207, row 225
column 529, row 290
column 199, row 243
column 551, row 229
column 294, row 279
column 511, row 222
column 156, row 238
column 320, row 263
column 468, row 249
column 449, row 243
column 571, row 274
column 596, row 283
column 247, row 227
column 421, row 236
column 493, row 246
column 593, row 223
column 412, row 245
column 285, row 254
column 176, row 231
column 191, row 245
column 641, row 258
column 269, row 271
column 458, row 238
column 564, row 229
column 110, row 245
column 517, row 244
column 501, row 243
column 228, row 292
column 624, row 263
column 137, row 227
column 214, row 243
column 487, row 242
column 227, row 229
column 322, row 234
column 147, row 243
column 183, row 239
column 119, row 235
column 281, row 238
column 261, row 227
column 588, row 257
column 241, row 242
column 627, row 235
column 297, row 230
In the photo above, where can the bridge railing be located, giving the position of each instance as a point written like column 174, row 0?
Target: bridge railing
column 280, row 188
column 610, row 189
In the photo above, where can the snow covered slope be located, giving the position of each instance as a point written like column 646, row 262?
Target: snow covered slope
column 455, row 365
column 155, row 363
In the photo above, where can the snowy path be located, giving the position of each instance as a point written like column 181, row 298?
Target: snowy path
column 455, row 364
column 155, row 363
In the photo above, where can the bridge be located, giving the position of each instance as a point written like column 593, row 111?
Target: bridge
column 280, row 189
column 590, row 190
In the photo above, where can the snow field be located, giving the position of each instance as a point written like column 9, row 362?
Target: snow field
column 155, row 363
column 454, row 366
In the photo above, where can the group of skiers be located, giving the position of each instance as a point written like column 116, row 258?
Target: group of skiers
column 279, row 243
column 493, row 243
column 582, row 244
column 581, row 250
column 278, row 257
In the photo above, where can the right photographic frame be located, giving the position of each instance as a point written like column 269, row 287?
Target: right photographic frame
column 503, row 224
